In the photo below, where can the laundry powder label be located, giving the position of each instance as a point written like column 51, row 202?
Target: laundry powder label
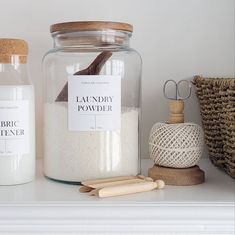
column 94, row 103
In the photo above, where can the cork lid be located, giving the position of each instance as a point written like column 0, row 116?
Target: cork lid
column 89, row 26
column 10, row 47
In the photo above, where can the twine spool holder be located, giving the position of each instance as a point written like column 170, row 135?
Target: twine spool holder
column 177, row 176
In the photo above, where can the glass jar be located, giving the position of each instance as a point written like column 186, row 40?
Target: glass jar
column 17, row 118
column 92, row 102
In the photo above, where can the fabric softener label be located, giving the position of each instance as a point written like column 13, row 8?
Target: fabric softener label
column 94, row 103
column 14, row 127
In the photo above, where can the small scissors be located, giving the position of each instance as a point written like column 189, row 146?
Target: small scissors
column 178, row 86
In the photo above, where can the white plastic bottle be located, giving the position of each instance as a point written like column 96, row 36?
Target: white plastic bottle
column 17, row 115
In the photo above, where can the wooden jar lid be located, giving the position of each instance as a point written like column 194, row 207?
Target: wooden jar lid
column 10, row 47
column 89, row 26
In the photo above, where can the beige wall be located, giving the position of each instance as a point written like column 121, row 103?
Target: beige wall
column 176, row 38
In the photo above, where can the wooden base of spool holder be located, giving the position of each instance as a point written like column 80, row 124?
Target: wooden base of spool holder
column 177, row 176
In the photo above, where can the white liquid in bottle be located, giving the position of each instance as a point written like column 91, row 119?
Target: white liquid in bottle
column 17, row 115
column 17, row 137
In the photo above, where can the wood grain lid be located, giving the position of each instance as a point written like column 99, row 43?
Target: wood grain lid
column 89, row 26
column 10, row 47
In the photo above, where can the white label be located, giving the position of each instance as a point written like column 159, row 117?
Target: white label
column 94, row 103
column 14, row 127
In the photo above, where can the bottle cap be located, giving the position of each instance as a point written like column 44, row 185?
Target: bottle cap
column 13, row 51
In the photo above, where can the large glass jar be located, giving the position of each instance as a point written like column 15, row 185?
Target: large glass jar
column 92, row 102
column 17, row 114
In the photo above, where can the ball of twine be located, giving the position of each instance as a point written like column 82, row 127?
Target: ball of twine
column 176, row 145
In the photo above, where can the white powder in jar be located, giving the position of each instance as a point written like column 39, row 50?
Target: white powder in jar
column 81, row 155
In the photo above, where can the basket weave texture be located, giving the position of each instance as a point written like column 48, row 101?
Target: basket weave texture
column 217, row 103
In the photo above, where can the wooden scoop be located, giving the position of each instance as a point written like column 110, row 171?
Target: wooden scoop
column 93, row 69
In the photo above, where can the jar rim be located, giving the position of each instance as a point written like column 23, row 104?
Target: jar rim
column 90, row 26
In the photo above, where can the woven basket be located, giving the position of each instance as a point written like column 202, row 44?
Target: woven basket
column 217, row 101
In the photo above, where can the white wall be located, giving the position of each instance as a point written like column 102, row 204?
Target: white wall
column 176, row 38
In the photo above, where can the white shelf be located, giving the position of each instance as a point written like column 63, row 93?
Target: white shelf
column 55, row 208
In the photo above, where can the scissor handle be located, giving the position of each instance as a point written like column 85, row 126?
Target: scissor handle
column 177, row 95
column 164, row 89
